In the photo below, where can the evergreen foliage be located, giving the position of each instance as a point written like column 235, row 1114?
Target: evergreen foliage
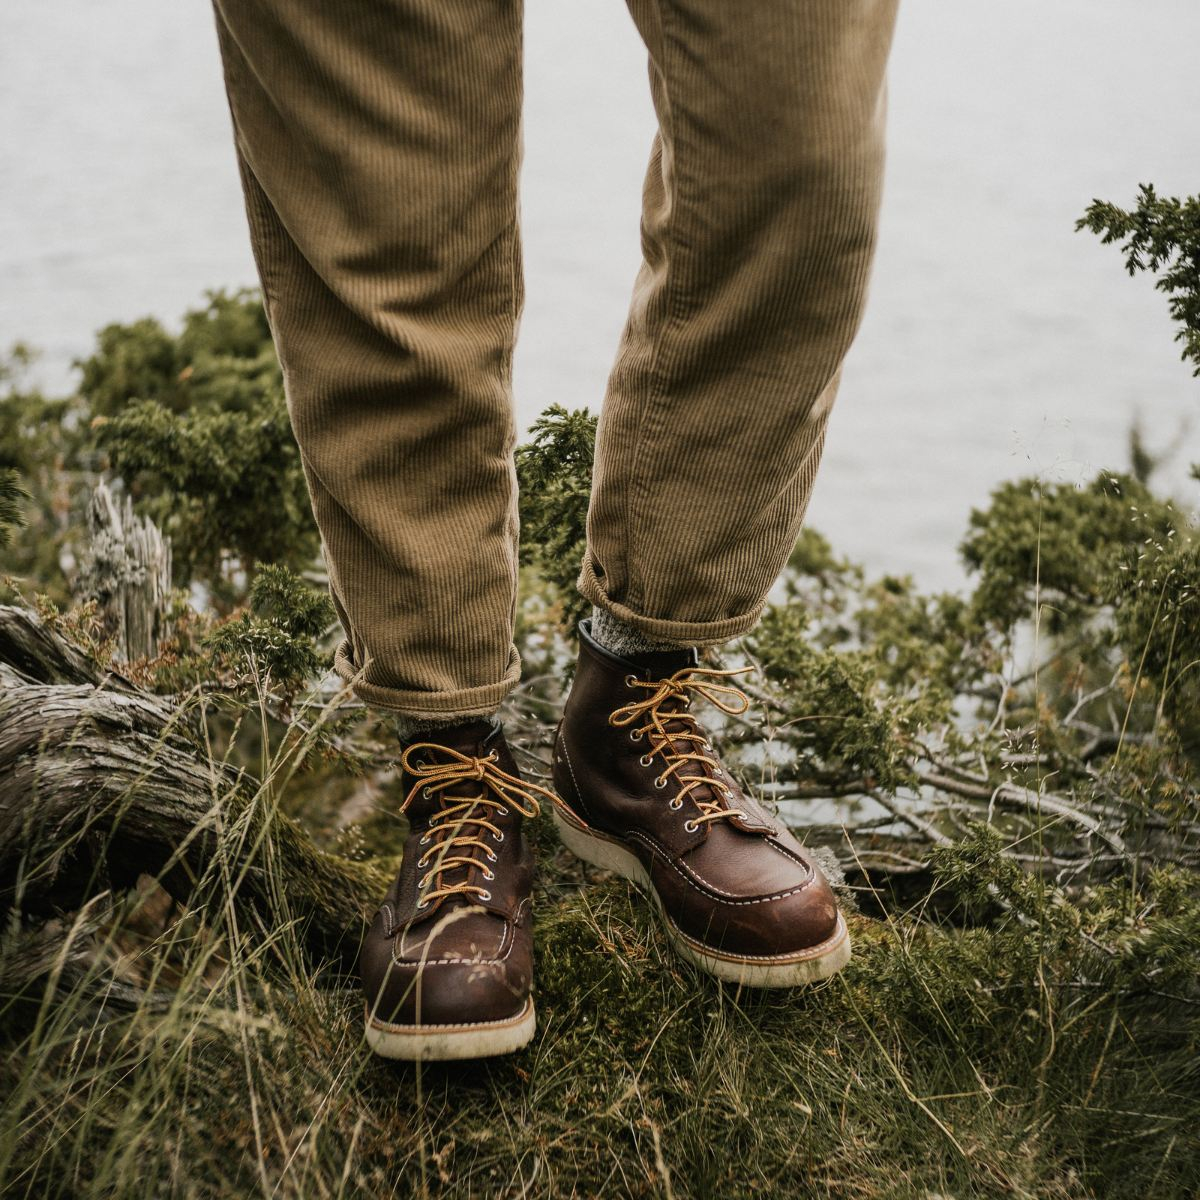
column 193, row 425
column 1161, row 235
column 1008, row 776
column 224, row 484
column 275, row 639
column 554, row 478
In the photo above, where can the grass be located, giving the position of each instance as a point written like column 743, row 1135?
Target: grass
column 984, row 1058
column 997, row 1034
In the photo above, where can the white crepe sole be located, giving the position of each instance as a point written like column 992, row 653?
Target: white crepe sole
column 440, row 1043
column 806, row 966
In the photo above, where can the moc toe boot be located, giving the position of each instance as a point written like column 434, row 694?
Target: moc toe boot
column 447, row 962
column 642, row 793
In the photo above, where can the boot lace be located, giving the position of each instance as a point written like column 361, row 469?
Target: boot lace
column 457, row 831
column 669, row 700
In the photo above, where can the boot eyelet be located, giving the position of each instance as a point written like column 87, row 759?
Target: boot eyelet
column 421, row 883
column 630, row 681
column 427, row 793
column 645, row 760
column 485, row 895
column 502, row 812
column 420, row 764
column 676, row 804
column 421, row 863
column 492, row 857
column 498, row 835
column 493, row 756
column 660, row 783
column 690, row 826
column 424, row 840
column 422, row 903
column 728, row 793
column 488, row 875
column 635, row 735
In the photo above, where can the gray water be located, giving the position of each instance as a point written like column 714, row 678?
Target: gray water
column 998, row 341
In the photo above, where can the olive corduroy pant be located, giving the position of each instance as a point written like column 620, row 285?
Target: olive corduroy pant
column 379, row 143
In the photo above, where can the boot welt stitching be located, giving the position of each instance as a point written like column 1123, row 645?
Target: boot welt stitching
column 794, row 857
column 509, row 939
column 689, row 878
column 386, row 1025
column 445, row 962
column 562, row 737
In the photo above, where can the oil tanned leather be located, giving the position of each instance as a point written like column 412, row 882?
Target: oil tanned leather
column 742, row 886
column 462, row 959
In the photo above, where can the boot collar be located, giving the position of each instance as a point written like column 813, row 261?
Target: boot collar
column 653, row 664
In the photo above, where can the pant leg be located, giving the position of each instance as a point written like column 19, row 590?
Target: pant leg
column 379, row 146
column 759, row 222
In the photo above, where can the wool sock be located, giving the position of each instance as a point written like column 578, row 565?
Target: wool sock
column 624, row 639
column 413, row 729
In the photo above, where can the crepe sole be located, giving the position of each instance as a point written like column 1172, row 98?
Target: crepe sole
column 441, row 1043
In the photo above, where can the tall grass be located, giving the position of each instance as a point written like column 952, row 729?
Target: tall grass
column 1041, row 1048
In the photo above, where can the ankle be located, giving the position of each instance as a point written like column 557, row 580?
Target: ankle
column 418, row 727
column 626, row 640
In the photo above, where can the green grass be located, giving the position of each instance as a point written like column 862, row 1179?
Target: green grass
column 995, row 1035
column 1001, row 1058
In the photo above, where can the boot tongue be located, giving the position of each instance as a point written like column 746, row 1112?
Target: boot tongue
column 474, row 738
column 659, row 664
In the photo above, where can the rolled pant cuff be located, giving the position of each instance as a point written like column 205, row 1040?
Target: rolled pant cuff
column 686, row 633
column 464, row 702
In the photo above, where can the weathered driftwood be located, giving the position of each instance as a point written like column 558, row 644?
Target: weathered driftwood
column 100, row 784
column 32, row 649
column 67, row 953
column 127, row 571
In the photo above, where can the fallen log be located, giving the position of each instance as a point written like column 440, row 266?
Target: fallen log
column 101, row 784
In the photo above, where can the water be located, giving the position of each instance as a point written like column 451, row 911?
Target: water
column 997, row 342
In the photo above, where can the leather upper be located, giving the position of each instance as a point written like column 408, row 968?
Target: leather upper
column 462, row 958
column 742, row 883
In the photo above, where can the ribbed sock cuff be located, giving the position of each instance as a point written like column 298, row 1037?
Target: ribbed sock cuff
column 624, row 639
column 411, row 728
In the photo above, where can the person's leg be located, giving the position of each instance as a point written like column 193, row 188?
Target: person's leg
column 379, row 145
column 760, row 209
column 758, row 230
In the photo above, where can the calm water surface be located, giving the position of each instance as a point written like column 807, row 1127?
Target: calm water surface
column 997, row 342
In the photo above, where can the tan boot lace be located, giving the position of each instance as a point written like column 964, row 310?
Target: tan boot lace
column 681, row 687
column 456, row 832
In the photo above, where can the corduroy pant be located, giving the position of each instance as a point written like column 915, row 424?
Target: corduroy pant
column 380, row 142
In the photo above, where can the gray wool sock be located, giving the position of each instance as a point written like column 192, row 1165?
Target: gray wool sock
column 411, row 729
column 624, row 639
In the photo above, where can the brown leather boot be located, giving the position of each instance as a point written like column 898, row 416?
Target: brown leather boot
column 643, row 794
column 448, row 960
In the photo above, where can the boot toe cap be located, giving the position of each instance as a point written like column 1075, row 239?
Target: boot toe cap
column 792, row 921
column 442, row 988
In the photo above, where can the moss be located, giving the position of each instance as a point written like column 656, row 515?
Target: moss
column 1020, row 1019
column 968, row 1061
